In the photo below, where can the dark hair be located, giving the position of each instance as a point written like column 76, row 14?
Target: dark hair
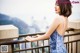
column 65, row 7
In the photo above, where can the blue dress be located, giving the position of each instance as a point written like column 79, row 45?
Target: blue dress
column 57, row 43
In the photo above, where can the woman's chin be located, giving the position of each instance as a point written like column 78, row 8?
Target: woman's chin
column 57, row 13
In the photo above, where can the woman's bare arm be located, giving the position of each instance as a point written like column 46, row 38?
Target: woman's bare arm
column 51, row 29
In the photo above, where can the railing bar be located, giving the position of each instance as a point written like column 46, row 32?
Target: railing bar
column 72, row 34
column 76, row 47
column 35, row 51
column 48, row 41
column 25, row 46
column 25, row 41
column 43, row 47
column 34, row 48
column 48, row 44
column 72, row 41
column 49, row 49
column 37, row 46
column 42, row 50
column 71, row 48
column 12, row 45
column 68, row 44
column 44, row 32
column 9, row 43
column 43, row 42
column 31, row 48
column 19, row 47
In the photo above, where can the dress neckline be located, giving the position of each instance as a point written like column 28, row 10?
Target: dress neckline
column 58, row 33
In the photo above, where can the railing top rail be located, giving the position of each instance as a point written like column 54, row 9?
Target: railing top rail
column 20, row 41
column 69, row 29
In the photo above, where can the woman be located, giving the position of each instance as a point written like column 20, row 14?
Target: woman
column 57, row 28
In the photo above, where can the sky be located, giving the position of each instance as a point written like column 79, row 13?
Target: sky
column 25, row 9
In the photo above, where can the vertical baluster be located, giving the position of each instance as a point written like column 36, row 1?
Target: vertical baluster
column 19, row 47
column 76, row 46
column 38, row 48
column 49, row 46
column 31, row 47
column 12, row 45
column 25, row 46
column 68, row 44
column 43, row 48
column 71, row 48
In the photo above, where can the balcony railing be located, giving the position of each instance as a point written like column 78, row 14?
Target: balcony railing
column 42, row 46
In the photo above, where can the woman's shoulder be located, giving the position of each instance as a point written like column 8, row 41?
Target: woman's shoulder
column 58, row 18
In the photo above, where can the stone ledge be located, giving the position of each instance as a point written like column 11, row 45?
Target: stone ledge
column 8, row 31
column 74, row 24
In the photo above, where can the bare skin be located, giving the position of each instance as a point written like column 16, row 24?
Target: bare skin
column 59, row 24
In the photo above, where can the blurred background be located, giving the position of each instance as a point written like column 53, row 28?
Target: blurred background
column 32, row 16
